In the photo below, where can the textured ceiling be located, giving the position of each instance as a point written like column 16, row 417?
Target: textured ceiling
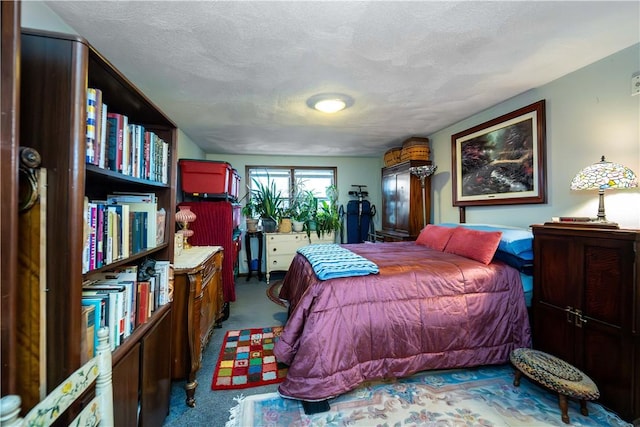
column 235, row 76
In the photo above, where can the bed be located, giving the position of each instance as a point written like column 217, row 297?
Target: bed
column 431, row 305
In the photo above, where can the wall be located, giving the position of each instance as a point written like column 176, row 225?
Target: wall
column 589, row 113
column 37, row 15
column 351, row 170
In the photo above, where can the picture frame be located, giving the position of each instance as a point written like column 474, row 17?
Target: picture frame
column 501, row 161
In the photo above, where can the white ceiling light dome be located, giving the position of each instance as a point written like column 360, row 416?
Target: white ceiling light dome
column 330, row 102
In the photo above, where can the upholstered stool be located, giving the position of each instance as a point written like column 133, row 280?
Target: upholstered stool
column 557, row 375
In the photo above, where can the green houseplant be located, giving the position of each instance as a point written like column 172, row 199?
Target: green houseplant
column 268, row 203
column 249, row 212
column 327, row 216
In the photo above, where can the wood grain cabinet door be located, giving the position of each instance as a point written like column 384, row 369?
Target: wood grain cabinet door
column 155, row 378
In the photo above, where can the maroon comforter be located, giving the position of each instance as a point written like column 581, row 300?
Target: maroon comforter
column 425, row 310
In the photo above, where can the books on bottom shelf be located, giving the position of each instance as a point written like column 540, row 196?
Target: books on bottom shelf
column 122, row 301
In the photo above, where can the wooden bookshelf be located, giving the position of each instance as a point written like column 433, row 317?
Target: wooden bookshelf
column 56, row 70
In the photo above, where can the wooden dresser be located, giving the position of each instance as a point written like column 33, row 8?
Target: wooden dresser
column 281, row 248
column 585, row 307
column 197, row 308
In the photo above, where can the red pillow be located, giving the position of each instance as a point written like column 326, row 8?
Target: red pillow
column 435, row 236
column 474, row 244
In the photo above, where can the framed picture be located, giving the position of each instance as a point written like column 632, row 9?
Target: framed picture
column 502, row 161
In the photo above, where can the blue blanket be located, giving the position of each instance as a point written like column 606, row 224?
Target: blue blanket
column 330, row 261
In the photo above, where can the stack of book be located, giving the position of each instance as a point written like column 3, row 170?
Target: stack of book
column 115, row 144
column 122, row 301
column 122, row 225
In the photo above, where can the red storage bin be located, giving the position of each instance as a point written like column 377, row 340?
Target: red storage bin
column 205, row 178
column 234, row 184
column 236, row 209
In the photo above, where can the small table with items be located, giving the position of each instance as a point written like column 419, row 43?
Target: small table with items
column 248, row 236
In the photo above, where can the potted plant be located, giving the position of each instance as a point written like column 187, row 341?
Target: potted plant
column 328, row 217
column 268, row 202
column 249, row 212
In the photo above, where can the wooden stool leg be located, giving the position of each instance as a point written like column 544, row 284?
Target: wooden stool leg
column 562, row 402
column 516, row 379
column 583, row 408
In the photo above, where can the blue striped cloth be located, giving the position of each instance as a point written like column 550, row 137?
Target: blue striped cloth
column 330, row 261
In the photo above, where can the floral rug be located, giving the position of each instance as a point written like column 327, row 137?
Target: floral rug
column 482, row 396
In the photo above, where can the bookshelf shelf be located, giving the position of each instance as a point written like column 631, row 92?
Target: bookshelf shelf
column 56, row 71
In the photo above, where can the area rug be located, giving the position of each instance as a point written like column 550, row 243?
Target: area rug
column 482, row 396
column 246, row 359
column 273, row 292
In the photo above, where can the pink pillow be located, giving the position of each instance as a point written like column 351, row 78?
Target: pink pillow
column 474, row 244
column 435, row 236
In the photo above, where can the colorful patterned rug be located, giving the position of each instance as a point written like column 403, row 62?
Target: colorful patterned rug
column 482, row 396
column 246, row 359
column 273, row 293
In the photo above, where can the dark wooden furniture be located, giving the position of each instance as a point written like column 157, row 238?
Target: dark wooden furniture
column 197, row 308
column 9, row 142
column 56, row 70
column 586, row 296
column 402, row 202
column 247, row 239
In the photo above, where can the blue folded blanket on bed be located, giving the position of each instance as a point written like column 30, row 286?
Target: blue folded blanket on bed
column 330, row 261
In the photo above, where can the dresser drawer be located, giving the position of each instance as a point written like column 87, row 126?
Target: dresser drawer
column 279, row 262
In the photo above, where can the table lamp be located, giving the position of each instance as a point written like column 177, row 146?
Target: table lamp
column 601, row 176
column 184, row 216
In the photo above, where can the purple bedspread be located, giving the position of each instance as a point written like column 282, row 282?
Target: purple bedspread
column 425, row 310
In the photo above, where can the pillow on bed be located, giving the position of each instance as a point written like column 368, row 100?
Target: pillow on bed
column 523, row 262
column 514, row 240
column 434, row 236
column 474, row 244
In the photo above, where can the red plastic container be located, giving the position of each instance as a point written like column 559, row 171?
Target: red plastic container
column 236, row 209
column 205, row 178
column 234, row 184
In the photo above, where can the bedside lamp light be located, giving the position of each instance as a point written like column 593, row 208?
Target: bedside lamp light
column 423, row 172
column 604, row 176
column 184, row 216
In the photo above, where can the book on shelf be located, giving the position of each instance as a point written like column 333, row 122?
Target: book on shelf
column 99, row 305
column 114, row 311
column 163, row 268
column 149, row 221
column 132, row 197
column 142, row 307
column 115, row 141
column 124, row 280
column 161, row 220
column 102, row 147
column 126, row 147
column 90, row 134
column 89, row 333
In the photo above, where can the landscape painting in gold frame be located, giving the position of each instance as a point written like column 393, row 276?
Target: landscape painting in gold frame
column 502, row 161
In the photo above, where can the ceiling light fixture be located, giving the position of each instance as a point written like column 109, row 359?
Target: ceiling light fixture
column 330, row 102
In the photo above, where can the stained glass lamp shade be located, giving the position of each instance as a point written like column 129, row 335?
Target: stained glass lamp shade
column 604, row 176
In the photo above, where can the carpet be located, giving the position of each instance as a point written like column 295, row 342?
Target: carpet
column 482, row 396
column 246, row 359
column 273, row 292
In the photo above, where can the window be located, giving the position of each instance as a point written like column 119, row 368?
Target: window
column 315, row 179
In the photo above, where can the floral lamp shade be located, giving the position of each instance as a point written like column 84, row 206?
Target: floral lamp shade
column 601, row 176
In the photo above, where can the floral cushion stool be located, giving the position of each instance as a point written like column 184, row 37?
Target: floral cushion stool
column 557, row 375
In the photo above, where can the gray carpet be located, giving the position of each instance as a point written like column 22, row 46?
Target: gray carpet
column 251, row 309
